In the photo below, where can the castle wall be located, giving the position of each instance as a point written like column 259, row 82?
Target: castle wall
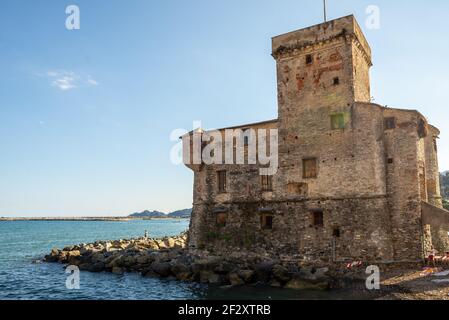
column 440, row 237
column 362, row 86
column 432, row 171
column 404, row 160
column 363, row 233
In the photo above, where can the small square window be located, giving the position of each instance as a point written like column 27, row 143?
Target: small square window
column 309, row 59
column 390, row 123
column 267, row 183
column 318, row 219
column 336, row 232
column 222, row 219
column 309, row 167
column 336, row 81
column 338, row 121
column 266, row 221
column 390, row 160
column 221, row 181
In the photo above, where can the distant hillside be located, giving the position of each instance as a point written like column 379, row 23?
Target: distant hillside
column 148, row 214
column 185, row 213
column 444, row 181
column 180, row 213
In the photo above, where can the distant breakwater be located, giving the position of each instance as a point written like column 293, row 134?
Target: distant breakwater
column 120, row 219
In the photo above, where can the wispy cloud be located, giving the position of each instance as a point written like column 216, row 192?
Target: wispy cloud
column 64, row 83
column 68, row 80
column 92, row 82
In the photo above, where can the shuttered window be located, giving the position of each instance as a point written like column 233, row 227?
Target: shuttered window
column 309, row 168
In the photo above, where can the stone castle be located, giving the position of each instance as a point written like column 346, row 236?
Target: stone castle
column 355, row 180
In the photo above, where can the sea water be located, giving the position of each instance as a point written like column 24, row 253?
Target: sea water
column 23, row 275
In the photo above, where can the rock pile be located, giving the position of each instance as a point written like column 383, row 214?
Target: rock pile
column 169, row 258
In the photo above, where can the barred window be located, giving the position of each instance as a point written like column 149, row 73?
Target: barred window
column 221, row 181
column 267, row 183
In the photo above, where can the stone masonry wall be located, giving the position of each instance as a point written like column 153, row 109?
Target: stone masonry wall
column 404, row 155
column 363, row 233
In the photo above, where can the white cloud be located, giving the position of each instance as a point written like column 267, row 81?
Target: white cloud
column 64, row 83
column 67, row 80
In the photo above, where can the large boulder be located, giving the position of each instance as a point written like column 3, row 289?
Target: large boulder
column 314, row 274
column 129, row 261
column 169, row 242
column 161, row 244
column 62, row 257
column 95, row 267
column 98, row 257
column 207, row 263
column 53, row 256
column 161, row 268
column 281, row 274
column 246, row 275
column 263, row 271
column 184, row 276
column 205, row 275
column 144, row 259
column 107, row 246
column 235, row 279
column 216, row 279
column 152, row 245
column 117, row 261
column 117, row 270
column 224, row 267
column 73, row 253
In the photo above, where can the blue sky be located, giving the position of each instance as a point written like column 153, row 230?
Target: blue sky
column 86, row 115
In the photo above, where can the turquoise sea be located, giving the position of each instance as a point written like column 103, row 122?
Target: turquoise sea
column 22, row 276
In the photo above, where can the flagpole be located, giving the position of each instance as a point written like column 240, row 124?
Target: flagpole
column 325, row 13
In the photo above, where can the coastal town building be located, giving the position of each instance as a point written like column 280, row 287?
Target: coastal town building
column 355, row 180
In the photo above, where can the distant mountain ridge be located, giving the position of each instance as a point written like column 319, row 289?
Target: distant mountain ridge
column 184, row 213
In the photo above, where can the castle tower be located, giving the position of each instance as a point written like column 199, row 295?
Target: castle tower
column 323, row 65
column 322, row 71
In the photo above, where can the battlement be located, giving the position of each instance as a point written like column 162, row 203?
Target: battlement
column 346, row 27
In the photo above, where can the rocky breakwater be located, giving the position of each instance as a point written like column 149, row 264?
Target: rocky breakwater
column 121, row 256
column 169, row 258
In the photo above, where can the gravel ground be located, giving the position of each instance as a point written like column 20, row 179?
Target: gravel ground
column 413, row 285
